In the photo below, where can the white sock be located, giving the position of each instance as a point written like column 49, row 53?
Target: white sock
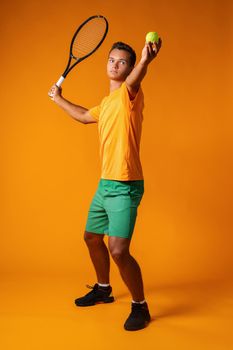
column 103, row 284
column 139, row 302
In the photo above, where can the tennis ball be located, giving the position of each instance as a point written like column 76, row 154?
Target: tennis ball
column 152, row 37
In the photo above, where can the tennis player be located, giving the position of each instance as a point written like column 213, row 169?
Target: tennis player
column 113, row 209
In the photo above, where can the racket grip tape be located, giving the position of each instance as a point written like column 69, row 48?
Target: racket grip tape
column 60, row 81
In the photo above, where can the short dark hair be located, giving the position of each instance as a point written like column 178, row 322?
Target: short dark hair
column 122, row 46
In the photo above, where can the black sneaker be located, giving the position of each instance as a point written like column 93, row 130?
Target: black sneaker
column 138, row 318
column 96, row 296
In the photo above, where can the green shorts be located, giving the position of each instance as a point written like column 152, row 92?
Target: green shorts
column 113, row 209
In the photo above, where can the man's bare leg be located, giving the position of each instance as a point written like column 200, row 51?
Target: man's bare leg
column 99, row 255
column 128, row 266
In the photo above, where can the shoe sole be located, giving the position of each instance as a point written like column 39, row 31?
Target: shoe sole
column 137, row 329
column 103, row 301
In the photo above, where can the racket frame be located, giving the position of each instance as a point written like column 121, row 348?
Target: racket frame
column 78, row 60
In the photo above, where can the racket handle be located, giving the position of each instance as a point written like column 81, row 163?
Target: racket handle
column 60, row 81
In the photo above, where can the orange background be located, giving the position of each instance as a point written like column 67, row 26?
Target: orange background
column 50, row 163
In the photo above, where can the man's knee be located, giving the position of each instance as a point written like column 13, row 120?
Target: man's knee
column 92, row 238
column 119, row 250
column 119, row 255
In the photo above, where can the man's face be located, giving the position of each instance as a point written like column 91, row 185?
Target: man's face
column 118, row 67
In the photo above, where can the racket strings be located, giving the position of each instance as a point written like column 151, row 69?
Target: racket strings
column 89, row 37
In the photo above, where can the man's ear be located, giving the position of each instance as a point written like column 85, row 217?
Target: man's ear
column 131, row 68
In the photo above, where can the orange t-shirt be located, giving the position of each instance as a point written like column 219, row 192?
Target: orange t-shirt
column 120, row 126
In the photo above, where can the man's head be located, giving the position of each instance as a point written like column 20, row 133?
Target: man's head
column 121, row 61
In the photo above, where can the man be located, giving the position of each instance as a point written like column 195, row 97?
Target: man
column 113, row 209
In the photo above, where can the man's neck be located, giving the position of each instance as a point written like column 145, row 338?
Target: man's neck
column 115, row 84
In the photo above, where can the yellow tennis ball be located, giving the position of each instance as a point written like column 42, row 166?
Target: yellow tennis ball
column 152, row 37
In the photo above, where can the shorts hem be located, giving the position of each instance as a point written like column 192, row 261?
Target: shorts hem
column 92, row 231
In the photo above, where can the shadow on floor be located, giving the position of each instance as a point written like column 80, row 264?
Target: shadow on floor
column 190, row 297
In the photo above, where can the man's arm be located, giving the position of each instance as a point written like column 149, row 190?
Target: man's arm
column 78, row 113
column 135, row 78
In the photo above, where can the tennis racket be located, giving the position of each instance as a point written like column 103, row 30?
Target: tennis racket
column 86, row 40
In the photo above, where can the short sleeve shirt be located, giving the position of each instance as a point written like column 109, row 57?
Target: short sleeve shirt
column 120, row 125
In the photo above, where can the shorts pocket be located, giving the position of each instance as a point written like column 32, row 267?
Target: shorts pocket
column 136, row 192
